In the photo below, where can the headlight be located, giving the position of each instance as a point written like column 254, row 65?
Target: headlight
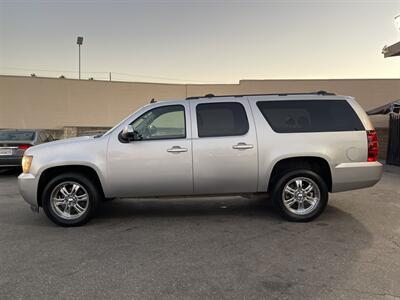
column 26, row 163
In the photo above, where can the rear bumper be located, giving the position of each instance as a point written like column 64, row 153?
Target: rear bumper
column 11, row 161
column 352, row 176
column 27, row 184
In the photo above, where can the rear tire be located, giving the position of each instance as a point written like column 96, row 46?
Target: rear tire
column 300, row 195
column 70, row 199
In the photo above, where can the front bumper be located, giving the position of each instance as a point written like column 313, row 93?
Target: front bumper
column 27, row 184
column 352, row 176
column 10, row 161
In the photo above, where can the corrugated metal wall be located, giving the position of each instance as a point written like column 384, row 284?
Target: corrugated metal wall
column 393, row 150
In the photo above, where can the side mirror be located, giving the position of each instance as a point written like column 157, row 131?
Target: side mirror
column 128, row 133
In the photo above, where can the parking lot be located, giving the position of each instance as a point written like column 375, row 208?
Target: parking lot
column 205, row 248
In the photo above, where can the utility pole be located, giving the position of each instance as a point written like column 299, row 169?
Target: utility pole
column 110, row 75
column 79, row 42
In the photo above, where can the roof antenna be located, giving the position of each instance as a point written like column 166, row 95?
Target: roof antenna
column 322, row 92
column 209, row 95
column 153, row 101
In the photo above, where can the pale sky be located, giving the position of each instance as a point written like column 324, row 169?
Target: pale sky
column 199, row 41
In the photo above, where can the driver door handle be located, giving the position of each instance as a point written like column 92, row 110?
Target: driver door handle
column 242, row 146
column 177, row 149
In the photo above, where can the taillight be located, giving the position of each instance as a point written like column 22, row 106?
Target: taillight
column 373, row 147
column 23, row 147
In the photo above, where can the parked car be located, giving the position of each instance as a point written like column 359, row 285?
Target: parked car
column 296, row 148
column 14, row 143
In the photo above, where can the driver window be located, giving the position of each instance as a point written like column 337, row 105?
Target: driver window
column 165, row 122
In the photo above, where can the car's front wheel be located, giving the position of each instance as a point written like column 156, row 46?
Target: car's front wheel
column 70, row 199
column 300, row 195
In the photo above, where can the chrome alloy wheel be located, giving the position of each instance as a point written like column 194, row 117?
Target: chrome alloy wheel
column 301, row 195
column 69, row 200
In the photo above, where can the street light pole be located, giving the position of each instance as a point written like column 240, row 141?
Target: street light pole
column 79, row 62
column 79, row 42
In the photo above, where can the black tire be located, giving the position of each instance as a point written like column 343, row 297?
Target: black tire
column 278, row 198
column 89, row 185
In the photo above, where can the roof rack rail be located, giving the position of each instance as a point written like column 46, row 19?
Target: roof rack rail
column 322, row 93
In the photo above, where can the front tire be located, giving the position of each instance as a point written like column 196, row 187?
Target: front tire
column 70, row 199
column 300, row 195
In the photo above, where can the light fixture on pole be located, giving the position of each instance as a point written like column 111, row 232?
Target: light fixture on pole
column 393, row 50
column 397, row 21
column 79, row 41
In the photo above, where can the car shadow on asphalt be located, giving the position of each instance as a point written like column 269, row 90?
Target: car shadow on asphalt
column 186, row 207
column 226, row 209
column 198, row 207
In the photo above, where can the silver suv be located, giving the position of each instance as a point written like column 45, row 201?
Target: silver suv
column 295, row 148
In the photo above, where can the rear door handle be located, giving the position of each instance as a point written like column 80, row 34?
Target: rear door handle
column 243, row 146
column 177, row 149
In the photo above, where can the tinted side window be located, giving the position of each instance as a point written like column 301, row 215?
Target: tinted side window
column 310, row 115
column 221, row 119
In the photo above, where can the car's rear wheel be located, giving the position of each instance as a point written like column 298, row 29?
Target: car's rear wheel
column 70, row 199
column 300, row 195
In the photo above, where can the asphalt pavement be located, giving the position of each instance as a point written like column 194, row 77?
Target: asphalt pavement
column 224, row 248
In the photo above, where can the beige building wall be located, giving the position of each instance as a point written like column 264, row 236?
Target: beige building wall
column 54, row 103
column 50, row 103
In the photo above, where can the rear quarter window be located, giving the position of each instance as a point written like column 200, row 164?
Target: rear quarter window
column 286, row 116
